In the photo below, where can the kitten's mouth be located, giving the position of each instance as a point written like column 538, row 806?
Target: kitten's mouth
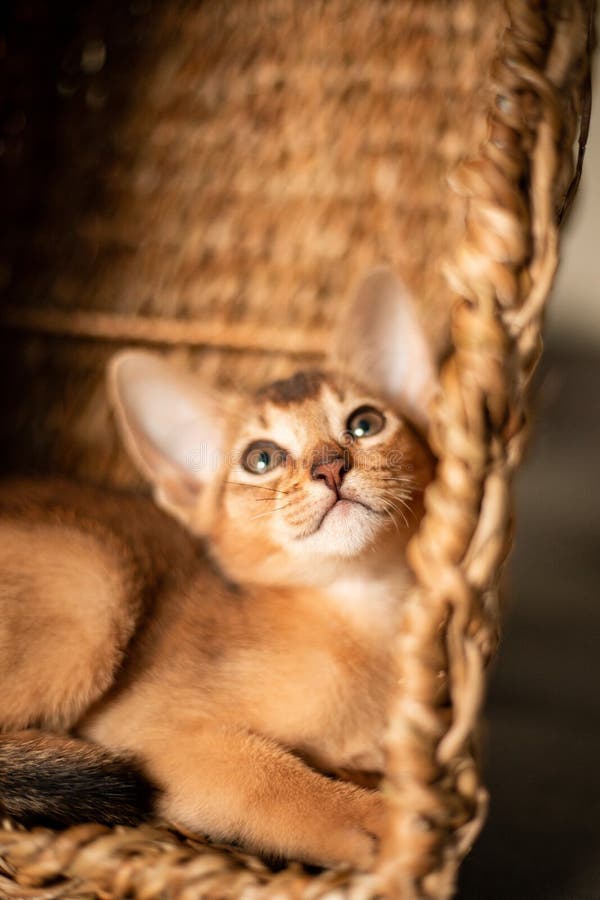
column 341, row 506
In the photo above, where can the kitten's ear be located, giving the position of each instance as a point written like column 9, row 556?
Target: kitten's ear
column 173, row 430
column 380, row 341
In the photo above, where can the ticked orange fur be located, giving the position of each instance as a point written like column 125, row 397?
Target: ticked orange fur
column 246, row 658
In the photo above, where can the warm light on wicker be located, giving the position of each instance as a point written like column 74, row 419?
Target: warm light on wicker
column 218, row 185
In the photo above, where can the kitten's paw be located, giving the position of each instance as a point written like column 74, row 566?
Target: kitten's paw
column 362, row 827
column 375, row 815
column 371, row 827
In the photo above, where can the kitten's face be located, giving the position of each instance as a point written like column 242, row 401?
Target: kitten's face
column 318, row 470
column 314, row 471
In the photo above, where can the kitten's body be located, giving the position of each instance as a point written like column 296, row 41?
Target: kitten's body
column 242, row 678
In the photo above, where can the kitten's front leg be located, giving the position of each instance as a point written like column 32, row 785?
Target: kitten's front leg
column 236, row 785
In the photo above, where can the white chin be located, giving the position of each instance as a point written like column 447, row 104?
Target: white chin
column 345, row 531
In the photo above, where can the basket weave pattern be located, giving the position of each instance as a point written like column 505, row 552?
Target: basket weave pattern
column 250, row 163
column 269, row 172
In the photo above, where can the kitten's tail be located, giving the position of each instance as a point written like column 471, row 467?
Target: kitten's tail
column 51, row 780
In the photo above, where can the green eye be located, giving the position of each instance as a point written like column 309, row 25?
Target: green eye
column 365, row 422
column 261, row 457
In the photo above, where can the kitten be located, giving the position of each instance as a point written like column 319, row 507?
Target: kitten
column 244, row 675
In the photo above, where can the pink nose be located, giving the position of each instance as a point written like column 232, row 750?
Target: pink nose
column 331, row 472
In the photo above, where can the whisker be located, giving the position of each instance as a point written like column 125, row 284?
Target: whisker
column 389, row 513
column 263, row 487
column 407, row 481
column 401, row 494
column 392, row 504
column 386, row 493
column 268, row 512
column 389, row 509
column 396, row 492
column 401, row 514
column 401, row 498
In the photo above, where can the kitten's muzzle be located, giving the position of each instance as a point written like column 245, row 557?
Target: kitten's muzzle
column 331, row 471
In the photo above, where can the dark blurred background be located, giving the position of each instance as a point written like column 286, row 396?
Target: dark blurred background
column 542, row 839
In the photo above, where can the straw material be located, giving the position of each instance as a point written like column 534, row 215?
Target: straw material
column 235, row 168
column 224, row 180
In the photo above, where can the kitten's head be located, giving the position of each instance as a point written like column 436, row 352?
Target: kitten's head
column 313, row 470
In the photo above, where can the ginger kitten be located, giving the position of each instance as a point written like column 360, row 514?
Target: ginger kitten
column 246, row 658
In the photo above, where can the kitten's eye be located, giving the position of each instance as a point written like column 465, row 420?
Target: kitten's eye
column 262, row 456
column 365, row 422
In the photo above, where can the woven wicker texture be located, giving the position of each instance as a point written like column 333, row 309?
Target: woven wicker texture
column 227, row 177
column 219, row 176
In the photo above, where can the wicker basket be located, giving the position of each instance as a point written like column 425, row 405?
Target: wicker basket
column 215, row 177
